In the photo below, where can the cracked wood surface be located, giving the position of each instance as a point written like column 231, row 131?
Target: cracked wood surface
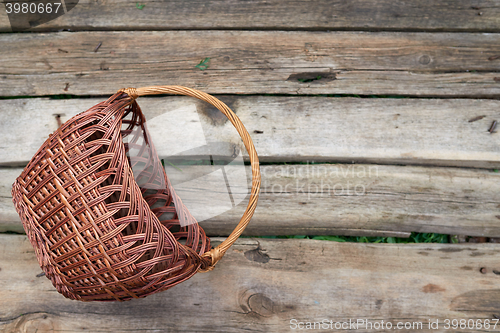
column 252, row 62
column 261, row 286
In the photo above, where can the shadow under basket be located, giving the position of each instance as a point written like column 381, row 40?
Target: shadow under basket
column 100, row 234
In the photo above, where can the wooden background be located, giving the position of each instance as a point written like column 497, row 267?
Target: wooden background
column 366, row 84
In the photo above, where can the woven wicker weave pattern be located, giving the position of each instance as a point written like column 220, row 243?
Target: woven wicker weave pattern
column 93, row 229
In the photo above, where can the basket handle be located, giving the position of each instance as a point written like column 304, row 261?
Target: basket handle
column 218, row 252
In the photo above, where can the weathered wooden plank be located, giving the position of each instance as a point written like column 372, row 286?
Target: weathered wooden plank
column 425, row 15
column 252, row 62
column 264, row 286
column 341, row 199
column 402, row 131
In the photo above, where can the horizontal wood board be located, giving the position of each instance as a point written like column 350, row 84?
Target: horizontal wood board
column 252, row 62
column 284, row 129
column 428, row 15
column 334, row 199
column 262, row 285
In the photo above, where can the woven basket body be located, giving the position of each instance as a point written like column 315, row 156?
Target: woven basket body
column 99, row 233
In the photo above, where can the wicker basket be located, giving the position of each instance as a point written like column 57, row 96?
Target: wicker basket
column 97, row 231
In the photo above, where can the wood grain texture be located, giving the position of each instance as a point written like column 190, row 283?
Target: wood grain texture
column 460, row 15
column 401, row 131
column 252, row 62
column 263, row 286
column 341, row 199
